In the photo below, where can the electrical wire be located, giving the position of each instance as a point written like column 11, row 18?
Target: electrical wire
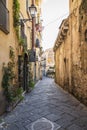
column 56, row 19
column 61, row 17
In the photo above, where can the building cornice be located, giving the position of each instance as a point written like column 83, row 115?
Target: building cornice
column 64, row 27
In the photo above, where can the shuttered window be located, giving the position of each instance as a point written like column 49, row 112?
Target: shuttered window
column 4, row 17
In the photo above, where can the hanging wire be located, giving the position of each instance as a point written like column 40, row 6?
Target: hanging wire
column 56, row 19
column 73, row 12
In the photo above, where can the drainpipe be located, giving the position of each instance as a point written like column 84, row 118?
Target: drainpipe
column 33, row 41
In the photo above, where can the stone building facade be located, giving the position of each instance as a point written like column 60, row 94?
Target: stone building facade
column 47, row 60
column 71, row 51
column 16, row 41
column 38, row 41
column 7, row 39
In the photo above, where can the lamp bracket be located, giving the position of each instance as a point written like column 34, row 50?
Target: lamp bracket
column 25, row 20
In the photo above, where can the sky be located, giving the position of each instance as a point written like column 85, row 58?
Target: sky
column 53, row 12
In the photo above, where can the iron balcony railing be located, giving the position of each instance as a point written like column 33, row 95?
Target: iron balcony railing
column 4, row 17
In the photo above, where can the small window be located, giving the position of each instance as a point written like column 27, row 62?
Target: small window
column 86, row 35
column 22, row 30
column 81, row 17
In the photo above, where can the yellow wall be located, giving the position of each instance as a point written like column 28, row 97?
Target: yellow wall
column 7, row 40
column 28, row 24
column 72, row 74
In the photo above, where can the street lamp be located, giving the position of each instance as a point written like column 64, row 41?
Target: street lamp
column 32, row 10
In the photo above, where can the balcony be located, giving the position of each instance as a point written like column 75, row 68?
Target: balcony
column 4, row 18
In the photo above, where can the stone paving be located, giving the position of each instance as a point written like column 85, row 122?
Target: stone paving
column 47, row 107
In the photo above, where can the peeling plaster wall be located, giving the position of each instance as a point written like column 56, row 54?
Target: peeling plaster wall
column 79, row 55
column 63, row 65
column 71, row 55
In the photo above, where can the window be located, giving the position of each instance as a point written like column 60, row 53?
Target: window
column 86, row 35
column 22, row 30
column 4, row 17
column 23, row 36
column 81, row 17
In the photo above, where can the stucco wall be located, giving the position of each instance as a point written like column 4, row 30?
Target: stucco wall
column 79, row 56
column 7, row 40
column 62, row 63
column 28, row 25
column 71, row 73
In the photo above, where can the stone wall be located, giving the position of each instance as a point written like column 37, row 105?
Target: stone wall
column 63, row 64
column 10, row 40
column 71, row 54
column 79, row 55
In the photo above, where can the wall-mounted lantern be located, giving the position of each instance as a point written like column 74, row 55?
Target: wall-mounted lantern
column 33, row 10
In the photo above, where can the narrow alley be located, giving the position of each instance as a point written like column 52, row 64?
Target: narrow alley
column 46, row 107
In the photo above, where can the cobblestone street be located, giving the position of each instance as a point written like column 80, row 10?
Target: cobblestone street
column 47, row 107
